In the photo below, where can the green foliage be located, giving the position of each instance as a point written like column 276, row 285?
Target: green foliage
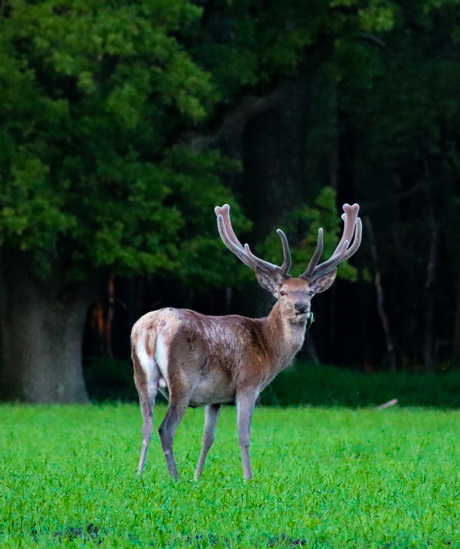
column 405, row 110
column 204, row 261
column 398, row 95
column 248, row 44
column 307, row 384
column 94, row 100
column 323, row 478
column 91, row 97
column 377, row 16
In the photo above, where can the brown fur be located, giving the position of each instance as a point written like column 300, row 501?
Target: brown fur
column 210, row 360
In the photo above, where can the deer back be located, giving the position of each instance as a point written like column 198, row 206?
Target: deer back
column 211, row 354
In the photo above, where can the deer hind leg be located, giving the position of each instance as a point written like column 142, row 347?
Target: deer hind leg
column 211, row 414
column 146, row 378
column 178, row 403
column 245, row 403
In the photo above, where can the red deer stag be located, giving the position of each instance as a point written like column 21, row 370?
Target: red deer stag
column 198, row 360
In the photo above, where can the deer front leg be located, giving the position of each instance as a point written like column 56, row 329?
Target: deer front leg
column 245, row 403
column 176, row 410
column 211, row 414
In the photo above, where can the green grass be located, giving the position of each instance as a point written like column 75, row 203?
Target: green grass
column 324, row 478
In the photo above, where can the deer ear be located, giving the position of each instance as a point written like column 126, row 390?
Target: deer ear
column 324, row 282
column 268, row 281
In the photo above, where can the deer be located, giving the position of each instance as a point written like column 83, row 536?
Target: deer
column 198, row 360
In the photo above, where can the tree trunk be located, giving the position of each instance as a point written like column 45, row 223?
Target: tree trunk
column 274, row 156
column 430, row 300
column 41, row 334
column 380, row 300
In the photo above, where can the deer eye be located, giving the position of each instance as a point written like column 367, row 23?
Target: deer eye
column 311, row 293
column 282, row 293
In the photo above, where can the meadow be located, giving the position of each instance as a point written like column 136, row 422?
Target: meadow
column 324, row 478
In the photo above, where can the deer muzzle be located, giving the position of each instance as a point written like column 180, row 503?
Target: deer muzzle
column 301, row 307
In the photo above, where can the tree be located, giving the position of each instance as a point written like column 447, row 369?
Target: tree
column 92, row 179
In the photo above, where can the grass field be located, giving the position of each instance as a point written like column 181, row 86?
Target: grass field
column 324, row 478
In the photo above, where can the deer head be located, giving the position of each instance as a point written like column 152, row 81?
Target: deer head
column 294, row 295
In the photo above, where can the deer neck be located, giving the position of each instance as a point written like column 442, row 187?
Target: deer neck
column 285, row 337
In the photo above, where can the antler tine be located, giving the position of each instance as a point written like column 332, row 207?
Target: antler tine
column 352, row 232
column 228, row 236
column 286, row 253
column 341, row 252
column 284, row 269
column 349, row 218
column 358, row 233
column 244, row 253
column 224, row 212
column 315, row 257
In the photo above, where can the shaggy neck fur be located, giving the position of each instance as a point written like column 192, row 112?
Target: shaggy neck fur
column 287, row 336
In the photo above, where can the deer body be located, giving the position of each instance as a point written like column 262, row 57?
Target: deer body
column 199, row 360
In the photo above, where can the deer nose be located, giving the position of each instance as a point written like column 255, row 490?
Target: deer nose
column 301, row 307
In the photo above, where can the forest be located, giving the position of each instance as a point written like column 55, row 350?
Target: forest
column 124, row 123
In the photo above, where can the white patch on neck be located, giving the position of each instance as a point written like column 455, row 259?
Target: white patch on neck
column 295, row 335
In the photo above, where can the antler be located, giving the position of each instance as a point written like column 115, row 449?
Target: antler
column 352, row 230
column 244, row 253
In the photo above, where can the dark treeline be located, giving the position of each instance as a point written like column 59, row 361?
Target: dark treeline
column 124, row 124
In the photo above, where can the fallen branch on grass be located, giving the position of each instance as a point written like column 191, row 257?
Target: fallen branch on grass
column 391, row 402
